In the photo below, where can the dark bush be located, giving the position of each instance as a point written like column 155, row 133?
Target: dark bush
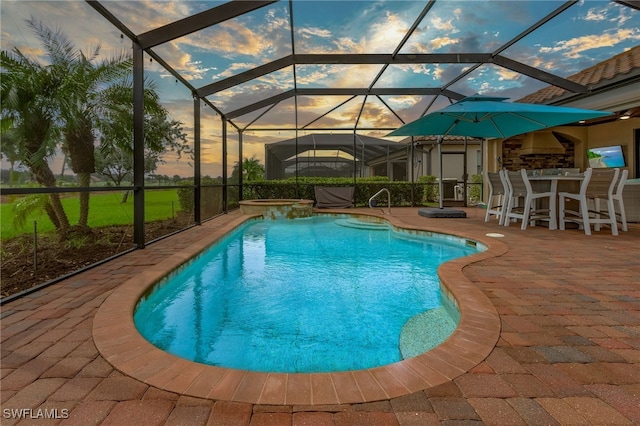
column 210, row 194
column 430, row 188
column 402, row 193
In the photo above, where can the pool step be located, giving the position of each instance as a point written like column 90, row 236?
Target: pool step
column 361, row 224
column 425, row 331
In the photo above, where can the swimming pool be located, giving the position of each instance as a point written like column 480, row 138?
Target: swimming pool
column 304, row 295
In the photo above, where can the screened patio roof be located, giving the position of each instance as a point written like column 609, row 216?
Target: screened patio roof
column 363, row 148
column 369, row 65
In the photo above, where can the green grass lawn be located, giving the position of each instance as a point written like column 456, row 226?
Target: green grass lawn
column 105, row 209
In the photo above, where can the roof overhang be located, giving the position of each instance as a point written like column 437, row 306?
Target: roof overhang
column 614, row 95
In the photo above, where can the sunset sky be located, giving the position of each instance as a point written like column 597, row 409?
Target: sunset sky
column 581, row 36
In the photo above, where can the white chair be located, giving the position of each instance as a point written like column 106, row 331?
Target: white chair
column 496, row 203
column 617, row 196
column 520, row 187
column 597, row 184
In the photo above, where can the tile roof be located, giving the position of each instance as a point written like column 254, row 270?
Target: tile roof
column 611, row 69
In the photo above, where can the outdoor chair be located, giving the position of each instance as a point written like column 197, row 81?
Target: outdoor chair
column 520, row 187
column 496, row 203
column 617, row 196
column 334, row 197
column 597, row 184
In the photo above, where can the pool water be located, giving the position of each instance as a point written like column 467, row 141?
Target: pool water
column 304, row 295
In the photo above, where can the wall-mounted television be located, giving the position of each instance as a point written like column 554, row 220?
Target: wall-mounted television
column 605, row 157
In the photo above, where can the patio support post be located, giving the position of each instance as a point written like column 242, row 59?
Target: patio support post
column 355, row 159
column 465, row 175
column 297, row 165
column 440, row 173
column 295, row 98
column 225, row 191
column 138, row 145
column 197, row 171
column 315, row 151
column 411, row 171
column 362, row 156
column 297, row 156
column 389, row 167
column 241, row 171
column 483, row 147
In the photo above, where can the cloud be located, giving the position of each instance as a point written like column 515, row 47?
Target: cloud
column 260, row 39
column 233, row 69
column 613, row 13
column 374, row 36
column 401, row 102
column 439, row 42
column 309, row 32
column 83, row 26
column 384, row 36
column 596, row 15
column 376, row 114
column 311, row 74
column 507, row 75
column 575, row 47
column 356, row 75
column 232, row 37
column 442, row 25
column 145, row 15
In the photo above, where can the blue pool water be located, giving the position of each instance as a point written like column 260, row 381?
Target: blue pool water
column 303, row 295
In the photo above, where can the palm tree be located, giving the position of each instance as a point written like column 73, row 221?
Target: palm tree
column 27, row 92
column 252, row 170
column 77, row 97
column 80, row 100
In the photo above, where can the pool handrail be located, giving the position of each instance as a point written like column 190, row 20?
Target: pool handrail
column 388, row 199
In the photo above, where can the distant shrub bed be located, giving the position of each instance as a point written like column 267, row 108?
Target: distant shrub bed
column 403, row 194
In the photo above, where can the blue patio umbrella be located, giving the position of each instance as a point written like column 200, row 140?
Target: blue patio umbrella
column 491, row 117
column 487, row 117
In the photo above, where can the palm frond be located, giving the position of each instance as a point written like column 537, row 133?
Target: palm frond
column 57, row 44
column 27, row 206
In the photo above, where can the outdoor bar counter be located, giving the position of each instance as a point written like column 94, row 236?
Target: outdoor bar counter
column 631, row 197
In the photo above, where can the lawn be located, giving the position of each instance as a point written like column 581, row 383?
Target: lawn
column 105, row 209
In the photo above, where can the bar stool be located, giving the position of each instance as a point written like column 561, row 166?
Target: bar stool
column 519, row 186
column 496, row 203
column 597, row 185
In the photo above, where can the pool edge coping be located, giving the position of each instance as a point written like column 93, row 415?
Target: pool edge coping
column 120, row 343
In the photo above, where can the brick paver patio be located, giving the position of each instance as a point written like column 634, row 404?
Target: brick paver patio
column 568, row 351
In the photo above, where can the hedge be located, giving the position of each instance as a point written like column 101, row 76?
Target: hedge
column 403, row 194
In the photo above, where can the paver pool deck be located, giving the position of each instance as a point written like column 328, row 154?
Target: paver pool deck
column 553, row 339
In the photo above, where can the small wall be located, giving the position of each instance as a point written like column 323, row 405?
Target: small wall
column 278, row 208
column 631, row 197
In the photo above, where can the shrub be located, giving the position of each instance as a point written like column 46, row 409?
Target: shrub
column 475, row 190
column 211, row 197
column 402, row 193
column 430, row 188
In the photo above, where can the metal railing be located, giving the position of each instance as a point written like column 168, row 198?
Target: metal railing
column 388, row 199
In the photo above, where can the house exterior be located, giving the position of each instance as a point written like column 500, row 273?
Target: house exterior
column 614, row 85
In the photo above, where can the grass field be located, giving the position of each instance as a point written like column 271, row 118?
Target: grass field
column 105, row 209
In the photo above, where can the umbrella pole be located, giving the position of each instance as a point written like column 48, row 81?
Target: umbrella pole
column 441, row 212
column 440, row 186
